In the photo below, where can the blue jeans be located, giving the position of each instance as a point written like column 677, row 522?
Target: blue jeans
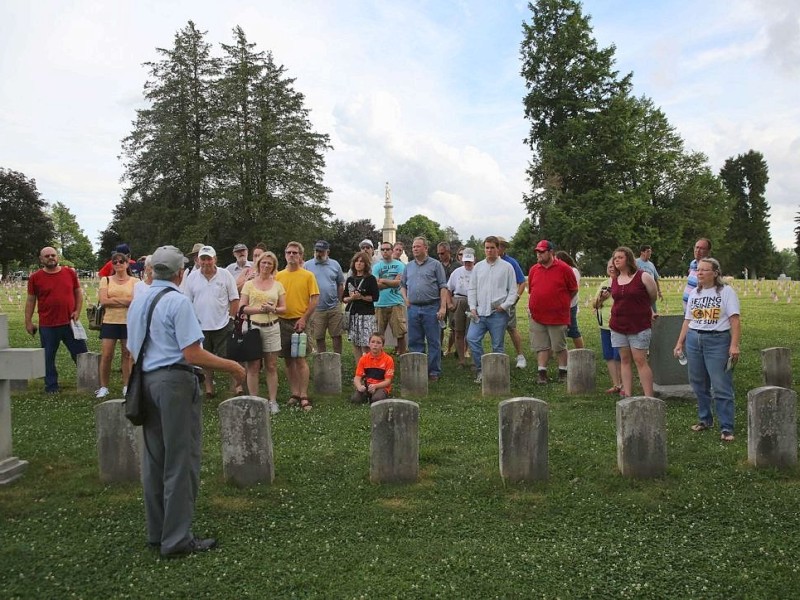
column 708, row 354
column 495, row 324
column 424, row 326
column 50, row 338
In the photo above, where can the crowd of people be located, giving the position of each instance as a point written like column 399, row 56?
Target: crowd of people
column 412, row 303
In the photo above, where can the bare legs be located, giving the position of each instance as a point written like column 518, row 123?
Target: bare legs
column 107, row 357
column 631, row 356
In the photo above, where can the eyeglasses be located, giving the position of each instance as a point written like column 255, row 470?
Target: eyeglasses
column 292, row 252
column 386, row 249
column 460, row 254
column 119, row 262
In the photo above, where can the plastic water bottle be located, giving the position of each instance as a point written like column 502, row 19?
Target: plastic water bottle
column 472, row 317
column 682, row 359
column 295, row 344
column 442, row 324
column 301, row 345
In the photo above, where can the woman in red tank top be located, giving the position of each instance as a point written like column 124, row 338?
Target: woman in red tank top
column 633, row 291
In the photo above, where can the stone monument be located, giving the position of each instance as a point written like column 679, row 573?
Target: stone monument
column 670, row 378
column 15, row 363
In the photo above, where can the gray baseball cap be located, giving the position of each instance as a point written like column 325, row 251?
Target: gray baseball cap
column 167, row 260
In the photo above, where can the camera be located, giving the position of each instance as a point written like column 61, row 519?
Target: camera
column 605, row 288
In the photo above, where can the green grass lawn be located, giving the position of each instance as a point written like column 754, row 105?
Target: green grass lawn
column 713, row 527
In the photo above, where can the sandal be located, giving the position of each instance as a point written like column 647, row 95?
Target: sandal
column 726, row 436
column 292, row 400
column 700, row 427
column 614, row 389
column 305, row 403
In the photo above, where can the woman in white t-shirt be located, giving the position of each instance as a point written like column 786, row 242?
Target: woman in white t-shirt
column 710, row 340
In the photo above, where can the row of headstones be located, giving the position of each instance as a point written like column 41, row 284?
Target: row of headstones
column 496, row 369
column 247, row 452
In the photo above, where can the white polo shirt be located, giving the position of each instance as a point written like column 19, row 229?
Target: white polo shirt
column 211, row 298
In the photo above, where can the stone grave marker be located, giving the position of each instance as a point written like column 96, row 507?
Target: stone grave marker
column 414, row 374
column 246, row 438
column 670, row 378
column 394, row 441
column 496, row 374
column 523, row 439
column 772, row 427
column 119, row 443
column 328, row 373
column 88, row 371
column 15, row 363
column 581, row 371
column 642, row 437
column 776, row 366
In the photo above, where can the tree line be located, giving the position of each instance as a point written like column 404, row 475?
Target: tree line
column 224, row 152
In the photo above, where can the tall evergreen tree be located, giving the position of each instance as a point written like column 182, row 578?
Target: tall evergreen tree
column 272, row 160
column 169, row 154
column 748, row 242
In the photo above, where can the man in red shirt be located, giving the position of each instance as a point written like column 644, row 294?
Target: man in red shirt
column 552, row 285
column 57, row 291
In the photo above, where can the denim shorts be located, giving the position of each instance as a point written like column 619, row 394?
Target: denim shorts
column 572, row 330
column 640, row 341
column 609, row 352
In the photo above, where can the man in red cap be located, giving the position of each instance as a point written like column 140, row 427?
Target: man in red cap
column 552, row 285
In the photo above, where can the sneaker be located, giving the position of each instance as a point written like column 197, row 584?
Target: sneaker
column 273, row 407
column 124, row 390
column 562, row 375
column 479, row 378
column 521, row 362
column 101, row 393
column 542, row 378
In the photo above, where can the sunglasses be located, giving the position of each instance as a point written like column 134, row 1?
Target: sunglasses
column 119, row 262
column 292, row 252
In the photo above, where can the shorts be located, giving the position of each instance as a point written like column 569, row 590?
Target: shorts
column 216, row 342
column 512, row 318
column 270, row 336
column 609, row 352
column 572, row 330
column 640, row 341
column 330, row 320
column 548, row 337
column 460, row 321
column 360, row 328
column 393, row 316
column 113, row 331
column 286, row 327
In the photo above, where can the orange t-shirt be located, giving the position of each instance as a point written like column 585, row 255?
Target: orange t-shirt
column 375, row 369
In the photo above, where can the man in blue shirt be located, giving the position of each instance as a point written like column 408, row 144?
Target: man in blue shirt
column 330, row 280
column 172, row 426
column 424, row 288
column 390, row 308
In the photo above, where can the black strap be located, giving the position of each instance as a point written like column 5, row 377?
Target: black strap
column 149, row 320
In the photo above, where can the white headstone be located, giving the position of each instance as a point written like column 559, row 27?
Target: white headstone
column 15, row 363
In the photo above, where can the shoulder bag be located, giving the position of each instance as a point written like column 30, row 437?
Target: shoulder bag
column 244, row 344
column 134, row 396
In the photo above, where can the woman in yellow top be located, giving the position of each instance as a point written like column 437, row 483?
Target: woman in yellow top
column 116, row 294
column 264, row 299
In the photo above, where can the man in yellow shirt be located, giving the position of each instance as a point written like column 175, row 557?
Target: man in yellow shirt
column 302, row 294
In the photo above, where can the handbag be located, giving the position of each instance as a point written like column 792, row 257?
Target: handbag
column 134, row 396
column 95, row 314
column 244, row 344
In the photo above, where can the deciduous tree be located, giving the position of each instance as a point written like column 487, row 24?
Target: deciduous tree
column 70, row 240
column 26, row 227
column 420, row 225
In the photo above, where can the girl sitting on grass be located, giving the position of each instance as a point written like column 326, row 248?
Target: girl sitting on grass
column 374, row 373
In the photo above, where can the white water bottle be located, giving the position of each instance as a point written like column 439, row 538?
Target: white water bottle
column 682, row 359
column 295, row 344
column 301, row 345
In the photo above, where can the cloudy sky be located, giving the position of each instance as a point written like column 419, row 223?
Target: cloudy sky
column 423, row 94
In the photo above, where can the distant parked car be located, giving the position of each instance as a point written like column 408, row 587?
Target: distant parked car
column 85, row 273
column 20, row 275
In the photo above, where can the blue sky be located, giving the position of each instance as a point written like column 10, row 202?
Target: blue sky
column 425, row 95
